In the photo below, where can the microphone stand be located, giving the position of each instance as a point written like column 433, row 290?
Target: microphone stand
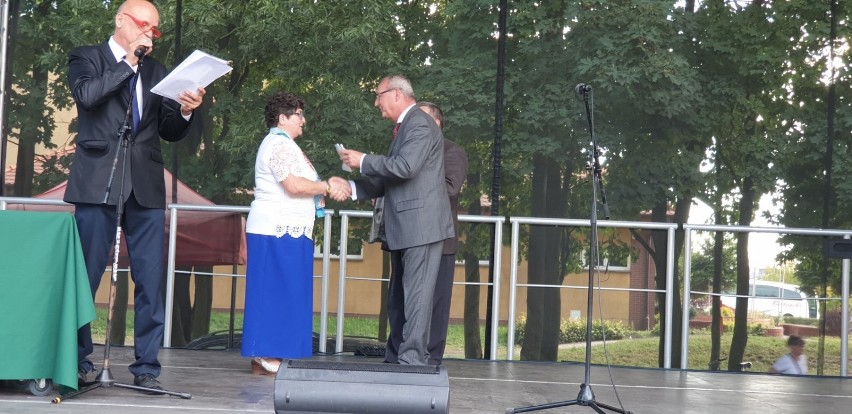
column 586, row 397
column 105, row 378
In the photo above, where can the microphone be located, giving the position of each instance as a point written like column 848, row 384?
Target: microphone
column 140, row 51
column 582, row 88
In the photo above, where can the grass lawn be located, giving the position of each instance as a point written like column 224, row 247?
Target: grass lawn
column 368, row 328
column 761, row 351
column 353, row 327
column 638, row 351
column 218, row 322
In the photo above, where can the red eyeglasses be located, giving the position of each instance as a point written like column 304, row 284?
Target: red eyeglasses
column 145, row 26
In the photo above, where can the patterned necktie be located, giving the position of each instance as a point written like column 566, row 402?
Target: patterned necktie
column 395, row 130
column 134, row 107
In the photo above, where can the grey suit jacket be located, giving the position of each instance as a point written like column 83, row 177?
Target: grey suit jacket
column 411, row 180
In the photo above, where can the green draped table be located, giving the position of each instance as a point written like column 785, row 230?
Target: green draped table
column 44, row 296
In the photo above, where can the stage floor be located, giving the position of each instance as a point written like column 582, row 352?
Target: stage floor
column 221, row 382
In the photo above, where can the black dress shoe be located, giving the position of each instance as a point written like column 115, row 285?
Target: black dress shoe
column 148, row 381
column 82, row 381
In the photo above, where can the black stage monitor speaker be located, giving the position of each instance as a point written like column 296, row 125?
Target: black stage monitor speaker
column 308, row 386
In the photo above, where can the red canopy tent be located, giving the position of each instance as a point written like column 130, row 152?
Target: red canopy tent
column 204, row 238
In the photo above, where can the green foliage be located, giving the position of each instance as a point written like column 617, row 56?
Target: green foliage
column 756, row 330
column 727, row 319
column 713, row 103
column 43, row 35
column 761, row 351
column 805, row 190
column 54, row 172
column 574, row 330
column 655, row 330
column 801, row 321
column 702, row 265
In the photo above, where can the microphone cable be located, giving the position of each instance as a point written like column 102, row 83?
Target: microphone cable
column 603, row 327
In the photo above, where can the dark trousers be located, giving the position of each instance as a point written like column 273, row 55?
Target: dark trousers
column 412, row 285
column 441, row 309
column 143, row 230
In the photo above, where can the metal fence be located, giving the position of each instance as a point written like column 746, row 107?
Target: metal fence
column 513, row 287
column 497, row 222
column 513, row 273
column 690, row 229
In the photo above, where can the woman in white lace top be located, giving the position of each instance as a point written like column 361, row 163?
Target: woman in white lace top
column 289, row 196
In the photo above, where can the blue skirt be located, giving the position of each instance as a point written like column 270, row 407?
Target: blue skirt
column 278, row 321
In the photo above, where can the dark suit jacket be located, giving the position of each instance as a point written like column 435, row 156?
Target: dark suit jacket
column 411, row 179
column 100, row 88
column 455, row 172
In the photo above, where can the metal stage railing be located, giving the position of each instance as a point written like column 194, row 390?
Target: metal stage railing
column 513, row 273
column 690, row 229
column 345, row 215
column 513, row 285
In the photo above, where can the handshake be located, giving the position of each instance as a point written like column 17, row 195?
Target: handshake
column 340, row 189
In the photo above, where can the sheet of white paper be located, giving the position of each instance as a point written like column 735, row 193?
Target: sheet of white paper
column 196, row 71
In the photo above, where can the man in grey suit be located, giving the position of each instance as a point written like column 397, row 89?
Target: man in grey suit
column 416, row 214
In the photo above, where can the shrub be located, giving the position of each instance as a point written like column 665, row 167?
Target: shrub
column 756, row 330
column 520, row 326
column 727, row 319
column 575, row 330
column 656, row 329
column 693, row 312
column 832, row 322
column 801, row 321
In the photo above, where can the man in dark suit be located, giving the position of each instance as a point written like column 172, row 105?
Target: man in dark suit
column 101, row 78
column 455, row 172
column 416, row 214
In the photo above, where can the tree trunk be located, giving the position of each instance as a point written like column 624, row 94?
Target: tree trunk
column 716, row 302
column 11, row 33
column 29, row 136
column 541, row 334
column 181, row 307
column 383, row 300
column 118, row 330
column 716, row 307
column 472, row 339
column 202, row 306
column 27, row 140
column 660, row 214
column 472, row 329
column 24, row 168
column 740, row 339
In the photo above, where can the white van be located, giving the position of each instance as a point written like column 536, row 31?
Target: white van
column 775, row 299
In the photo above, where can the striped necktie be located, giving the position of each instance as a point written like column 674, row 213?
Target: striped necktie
column 395, row 130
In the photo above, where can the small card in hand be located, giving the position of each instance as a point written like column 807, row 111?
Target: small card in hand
column 339, row 147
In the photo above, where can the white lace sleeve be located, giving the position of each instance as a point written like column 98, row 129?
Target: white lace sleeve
column 285, row 161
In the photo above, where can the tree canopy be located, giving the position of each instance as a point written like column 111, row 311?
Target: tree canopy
column 759, row 90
